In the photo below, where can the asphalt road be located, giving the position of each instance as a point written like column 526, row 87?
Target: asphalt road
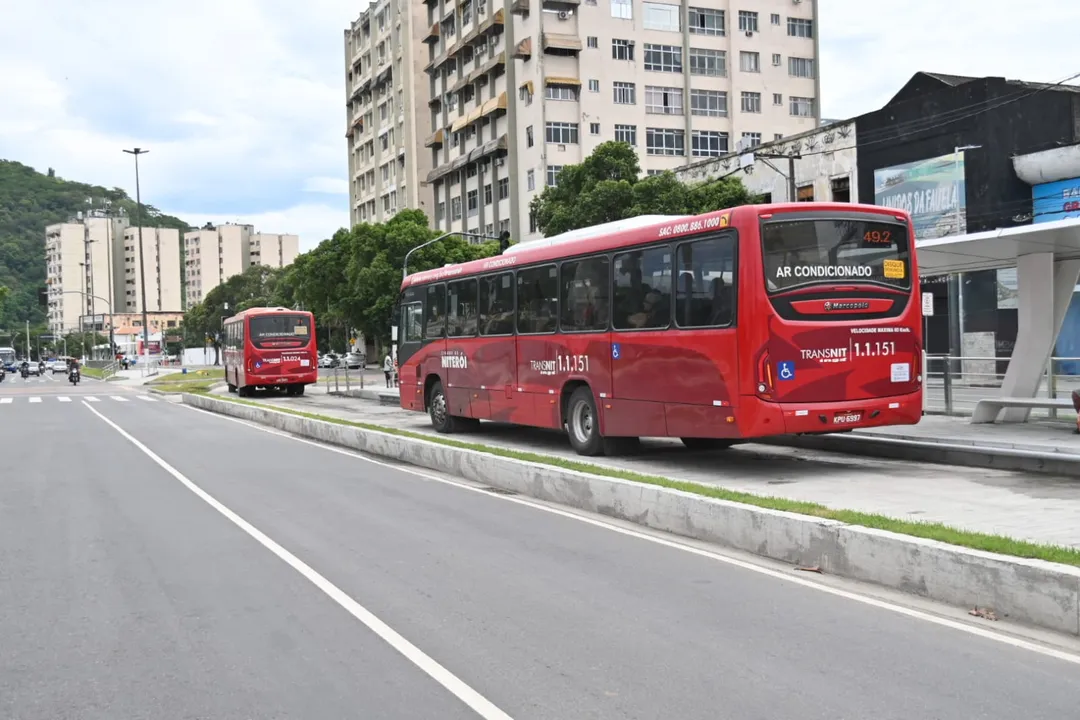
column 157, row 562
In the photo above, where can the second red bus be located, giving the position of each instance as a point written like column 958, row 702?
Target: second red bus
column 271, row 348
column 755, row 321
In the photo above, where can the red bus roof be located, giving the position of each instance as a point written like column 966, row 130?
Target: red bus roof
column 266, row 311
column 528, row 253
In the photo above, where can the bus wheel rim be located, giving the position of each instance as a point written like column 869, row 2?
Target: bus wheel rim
column 583, row 422
column 438, row 407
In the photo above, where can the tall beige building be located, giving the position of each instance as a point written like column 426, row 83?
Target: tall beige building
column 92, row 271
column 387, row 115
column 521, row 88
column 215, row 254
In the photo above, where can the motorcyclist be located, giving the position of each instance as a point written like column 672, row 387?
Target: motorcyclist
column 24, row 369
column 73, row 366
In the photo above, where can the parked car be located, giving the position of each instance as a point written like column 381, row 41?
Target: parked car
column 329, row 360
column 355, row 361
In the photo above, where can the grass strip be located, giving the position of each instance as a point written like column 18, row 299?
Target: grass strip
column 190, row 386
column 191, row 376
column 93, row 372
column 941, row 532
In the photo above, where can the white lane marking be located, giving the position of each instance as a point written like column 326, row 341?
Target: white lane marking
column 90, row 398
column 64, row 399
column 6, row 401
column 837, row 592
column 117, row 398
column 147, row 398
column 474, row 700
column 35, row 399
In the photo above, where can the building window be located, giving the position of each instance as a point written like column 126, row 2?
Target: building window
column 626, row 134
column 625, row 93
column 708, row 143
column 665, row 141
column 777, row 99
column 775, row 18
column 473, row 200
column 663, row 58
column 661, row 16
column 553, row 174
column 663, row 100
column 487, row 194
column 801, row 106
column 798, row 27
column 561, row 133
column 594, row 128
column 592, row 42
column 841, row 189
column 504, row 188
column 748, row 21
column 709, row 103
column 455, row 208
column 561, row 92
column 529, row 141
column 750, row 61
column 530, row 180
column 594, row 86
column 706, row 21
column 778, row 136
column 708, row 62
column 622, row 49
column 754, row 138
column 800, row 67
column 751, row 102
column 622, row 9
column 777, row 60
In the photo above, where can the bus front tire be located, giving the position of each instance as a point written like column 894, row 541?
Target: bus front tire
column 439, row 410
column 244, row 391
column 232, row 388
column 583, row 423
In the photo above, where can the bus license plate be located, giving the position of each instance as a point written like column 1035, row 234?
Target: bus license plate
column 847, row 418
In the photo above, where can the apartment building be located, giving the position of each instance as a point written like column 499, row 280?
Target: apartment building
column 386, row 100
column 520, row 89
column 164, row 288
column 79, row 276
column 215, row 254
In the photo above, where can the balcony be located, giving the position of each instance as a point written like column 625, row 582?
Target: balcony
column 436, row 140
column 494, row 105
column 561, row 44
column 520, row 7
column 432, row 33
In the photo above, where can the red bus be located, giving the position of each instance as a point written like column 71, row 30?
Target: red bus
column 270, row 348
column 756, row 321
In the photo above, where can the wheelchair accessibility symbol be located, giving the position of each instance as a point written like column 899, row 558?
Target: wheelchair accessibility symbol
column 615, row 351
column 786, row 370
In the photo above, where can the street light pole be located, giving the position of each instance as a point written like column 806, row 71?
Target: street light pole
column 136, row 152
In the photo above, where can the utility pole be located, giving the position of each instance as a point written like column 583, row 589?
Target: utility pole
column 27, row 341
column 136, row 152
column 82, row 315
column 791, row 169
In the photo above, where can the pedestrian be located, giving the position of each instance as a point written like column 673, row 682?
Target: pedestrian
column 388, row 368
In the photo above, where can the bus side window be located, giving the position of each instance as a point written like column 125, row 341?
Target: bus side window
column 585, row 295
column 538, row 300
column 642, row 283
column 412, row 322
column 706, row 282
column 497, row 304
column 461, row 306
column 435, row 327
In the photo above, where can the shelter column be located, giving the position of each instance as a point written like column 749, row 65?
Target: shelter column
column 1045, row 291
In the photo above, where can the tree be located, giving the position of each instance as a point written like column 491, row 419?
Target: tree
column 607, row 186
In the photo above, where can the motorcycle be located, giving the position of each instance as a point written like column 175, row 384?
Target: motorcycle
column 24, row 370
column 73, row 376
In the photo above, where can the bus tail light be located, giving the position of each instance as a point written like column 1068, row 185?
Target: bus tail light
column 918, row 363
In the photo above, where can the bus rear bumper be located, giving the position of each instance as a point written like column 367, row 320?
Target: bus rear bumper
column 796, row 418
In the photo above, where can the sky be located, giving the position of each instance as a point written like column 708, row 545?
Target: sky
column 242, row 106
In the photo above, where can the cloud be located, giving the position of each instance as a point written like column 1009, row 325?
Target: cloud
column 240, row 103
column 870, row 49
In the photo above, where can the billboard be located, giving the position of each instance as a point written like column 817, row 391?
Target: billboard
column 931, row 190
column 1056, row 201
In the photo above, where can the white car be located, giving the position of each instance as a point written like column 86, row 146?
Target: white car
column 58, row 366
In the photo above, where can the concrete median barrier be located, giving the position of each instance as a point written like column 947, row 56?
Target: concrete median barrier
column 1031, row 591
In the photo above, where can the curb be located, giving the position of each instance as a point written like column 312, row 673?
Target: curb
column 1033, row 591
column 997, row 457
column 368, row 394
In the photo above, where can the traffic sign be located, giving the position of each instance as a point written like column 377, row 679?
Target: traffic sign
column 928, row 304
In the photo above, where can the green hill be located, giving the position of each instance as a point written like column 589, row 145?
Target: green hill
column 29, row 201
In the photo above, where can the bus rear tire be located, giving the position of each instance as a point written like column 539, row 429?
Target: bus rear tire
column 232, row 388
column 583, row 423
column 244, row 391
column 707, row 443
column 294, row 390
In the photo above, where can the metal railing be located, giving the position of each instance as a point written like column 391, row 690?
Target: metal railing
column 334, row 383
column 108, row 368
column 954, row 384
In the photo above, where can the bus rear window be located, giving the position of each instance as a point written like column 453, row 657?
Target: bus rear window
column 835, row 251
column 280, row 331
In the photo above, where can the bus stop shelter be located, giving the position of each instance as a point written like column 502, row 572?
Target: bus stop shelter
column 1047, row 261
